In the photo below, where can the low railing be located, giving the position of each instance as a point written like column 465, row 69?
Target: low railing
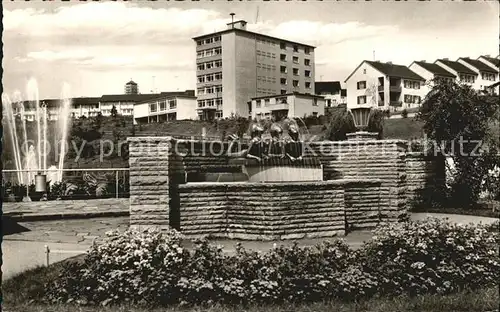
column 120, row 174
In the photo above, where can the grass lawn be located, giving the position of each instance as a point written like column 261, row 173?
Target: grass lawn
column 490, row 209
column 19, row 292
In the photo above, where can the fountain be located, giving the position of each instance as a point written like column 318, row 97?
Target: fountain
column 30, row 149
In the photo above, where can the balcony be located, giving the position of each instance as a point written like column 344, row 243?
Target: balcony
column 278, row 106
column 396, row 103
column 395, row 88
column 206, row 108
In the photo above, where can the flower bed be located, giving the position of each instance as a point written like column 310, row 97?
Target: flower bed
column 153, row 268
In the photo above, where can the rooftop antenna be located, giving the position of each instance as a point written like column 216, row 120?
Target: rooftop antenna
column 232, row 19
column 257, row 15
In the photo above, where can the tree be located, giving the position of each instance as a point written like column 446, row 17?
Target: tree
column 114, row 111
column 457, row 120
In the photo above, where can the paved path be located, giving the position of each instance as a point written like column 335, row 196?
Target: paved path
column 66, row 209
column 25, row 248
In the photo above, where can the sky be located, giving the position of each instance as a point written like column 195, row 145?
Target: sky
column 96, row 47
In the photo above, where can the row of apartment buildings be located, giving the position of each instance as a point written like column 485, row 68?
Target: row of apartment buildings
column 248, row 74
column 393, row 87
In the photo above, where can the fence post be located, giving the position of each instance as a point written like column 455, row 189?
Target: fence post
column 116, row 183
column 47, row 252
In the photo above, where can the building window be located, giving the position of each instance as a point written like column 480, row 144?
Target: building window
column 295, row 48
column 307, row 50
column 315, row 102
column 201, row 79
column 307, row 73
column 315, row 114
column 307, row 62
column 283, row 69
column 361, row 85
column 283, row 91
column 218, row 76
column 163, row 105
column 488, row 76
column 258, row 103
column 283, row 81
column 153, row 107
column 296, row 59
column 201, row 66
column 295, row 71
column 217, row 38
column 217, row 51
column 283, row 57
column 218, row 114
column 362, row 99
column 295, row 83
column 172, row 104
column 209, row 40
column 199, row 42
column 409, row 84
column 218, row 89
column 201, row 103
column 210, row 103
column 412, row 99
column 308, row 85
column 467, row 78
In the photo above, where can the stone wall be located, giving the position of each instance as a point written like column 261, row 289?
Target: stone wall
column 425, row 177
column 362, row 205
column 379, row 159
column 149, row 181
column 274, row 210
column 158, row 189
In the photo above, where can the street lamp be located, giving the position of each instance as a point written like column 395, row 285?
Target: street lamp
column 361, row 118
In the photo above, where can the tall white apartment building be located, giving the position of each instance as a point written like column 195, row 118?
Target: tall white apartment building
column 235, row 65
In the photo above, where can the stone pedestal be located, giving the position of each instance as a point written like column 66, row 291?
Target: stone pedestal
column 362, row 136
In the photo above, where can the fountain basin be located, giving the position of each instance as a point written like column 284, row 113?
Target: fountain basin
column 281, row 170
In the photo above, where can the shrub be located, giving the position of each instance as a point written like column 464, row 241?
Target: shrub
column 432, row 256
column 404, row 113
column 153, row 268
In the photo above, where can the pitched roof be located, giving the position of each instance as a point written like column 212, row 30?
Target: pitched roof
column 456, row 66
column 142, row 97
column 435, row 69
column 85, row 100
column 492, row 60
column 327, row 87
column 163, row 95
column 395, row 70
column 479, row 65
column 127, row 97
column 131, row 82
